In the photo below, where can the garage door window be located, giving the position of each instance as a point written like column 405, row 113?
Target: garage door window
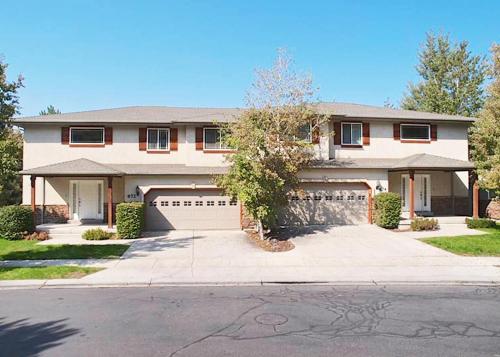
column 198, row 203
column 158, row 139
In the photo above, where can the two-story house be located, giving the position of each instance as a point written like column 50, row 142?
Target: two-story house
column 78, row 166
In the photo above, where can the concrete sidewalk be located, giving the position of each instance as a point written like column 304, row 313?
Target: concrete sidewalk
column 348, row 254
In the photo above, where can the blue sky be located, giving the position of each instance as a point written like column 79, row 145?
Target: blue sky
column 82, row 55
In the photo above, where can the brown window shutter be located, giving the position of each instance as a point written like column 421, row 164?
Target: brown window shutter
column 366, row 133
column 396, row 131
column 315, row 135
column 108, row 136
column 199, row 138
column 336, row 135
column 173, row 139
column 434, row 132
column 65, row 136
column 143, row 132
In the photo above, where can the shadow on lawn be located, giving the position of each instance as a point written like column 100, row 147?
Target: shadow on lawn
column 22, row 338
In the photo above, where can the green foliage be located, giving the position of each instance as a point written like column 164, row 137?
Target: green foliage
column 475, row 223
column 45, row 272
column 50, row 111
column 424, row 224
column 9, row 100
column 485, row 132
column 130, row 219
column 96, row 234
column 15, row 222
column 269, row 152
column 387, row 210
column 452, row 79
column 11, row 156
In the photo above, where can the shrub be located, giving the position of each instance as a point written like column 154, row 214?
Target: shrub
column 130, row 219
column 96, row 234
column 480, row 223
column 387, row 210
column 424, row 224
column 40, row 236
column 15, row 222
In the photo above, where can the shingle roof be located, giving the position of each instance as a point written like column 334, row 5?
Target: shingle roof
column 78, row 167
column 417, row 161
column 173, row 115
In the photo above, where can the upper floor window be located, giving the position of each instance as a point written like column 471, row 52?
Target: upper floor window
column 415, row 132
column 305, row 133
column 352, row 133
column 213, row 139
column 88, row 135
column 158, row 139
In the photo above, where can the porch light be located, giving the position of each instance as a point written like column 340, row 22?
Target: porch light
column 379, row 186
column 137, row 191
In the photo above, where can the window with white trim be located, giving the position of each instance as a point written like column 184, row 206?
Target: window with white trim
column 158, row 139
column 305, row 133
column 415, row 132
column 352, row 133
column 213, row 139
column 82, row 135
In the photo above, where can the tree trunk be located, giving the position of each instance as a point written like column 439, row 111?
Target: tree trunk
column 260, row 229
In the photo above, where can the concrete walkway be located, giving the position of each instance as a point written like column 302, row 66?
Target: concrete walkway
column 344, row 254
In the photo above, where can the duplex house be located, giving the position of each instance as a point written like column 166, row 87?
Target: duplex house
column 78, row 166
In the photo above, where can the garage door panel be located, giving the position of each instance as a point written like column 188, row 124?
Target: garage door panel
column 190, row 209
column 327, row 204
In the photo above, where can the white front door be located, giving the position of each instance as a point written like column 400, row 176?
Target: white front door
column 86, row 199
column 422, row 193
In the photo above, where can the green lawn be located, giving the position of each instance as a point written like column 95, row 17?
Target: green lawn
column 481, row 245
column 51, row 272
column 29, row 250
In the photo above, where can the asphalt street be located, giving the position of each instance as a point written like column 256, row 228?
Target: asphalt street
column 292, row 320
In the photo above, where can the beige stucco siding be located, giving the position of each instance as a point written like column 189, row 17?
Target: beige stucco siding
column 451, row 142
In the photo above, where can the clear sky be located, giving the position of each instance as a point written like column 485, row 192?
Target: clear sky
column 82, row 55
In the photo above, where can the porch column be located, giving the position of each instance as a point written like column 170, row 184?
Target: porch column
column 411, row 193
column 452, row 192
column 370, row 203
column 33, row 196
column 475, row 198
column 110, row 202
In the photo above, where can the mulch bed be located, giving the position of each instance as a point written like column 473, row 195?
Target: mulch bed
column 271, row 244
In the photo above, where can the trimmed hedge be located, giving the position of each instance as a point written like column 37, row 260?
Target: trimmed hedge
column 130, row 219
column 96, row 234
column 424, row 224
column 480, row 223
column 15, row 222
column 387, row 210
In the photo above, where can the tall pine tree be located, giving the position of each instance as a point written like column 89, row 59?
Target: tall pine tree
column 452, row 79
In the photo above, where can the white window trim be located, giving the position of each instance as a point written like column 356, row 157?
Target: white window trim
column 308, row 140
column 401, row 132
column 158, row 140
column 86, row 127
column 211, row 149
column 342, row 133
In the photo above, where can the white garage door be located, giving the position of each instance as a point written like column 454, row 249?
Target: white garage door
column 327, row 203
column 190, row 209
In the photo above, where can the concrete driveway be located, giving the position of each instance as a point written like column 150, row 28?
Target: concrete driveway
column 364, row 253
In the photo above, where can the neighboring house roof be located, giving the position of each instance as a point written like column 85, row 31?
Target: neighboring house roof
column 417, row 161
column 173, row 115
column 84, row 167
column 78, row 167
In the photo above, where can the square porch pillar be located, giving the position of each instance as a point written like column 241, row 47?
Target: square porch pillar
column 411, row 193
column 33, row 196
column 475, row 198
column 110, row 202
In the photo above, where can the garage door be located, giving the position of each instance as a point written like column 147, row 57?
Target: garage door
column 190, row 209
column 331, row 203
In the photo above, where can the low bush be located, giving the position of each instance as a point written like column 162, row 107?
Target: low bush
column 16, row 222
column 387, row 210
column 96, row 234
column 480, row 223
column 40, row 236
column 130, row 219
column 424, row 224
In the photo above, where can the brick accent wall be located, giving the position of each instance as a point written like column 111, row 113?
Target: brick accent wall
column 493, row 209
column 442, row 206
column 105, row 213
column 51, row 213
column 247, row 221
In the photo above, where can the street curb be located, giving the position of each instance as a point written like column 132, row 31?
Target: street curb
column 43, row 284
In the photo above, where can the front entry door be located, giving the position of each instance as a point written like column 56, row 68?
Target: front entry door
column 86, row 199
column 422, row 192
